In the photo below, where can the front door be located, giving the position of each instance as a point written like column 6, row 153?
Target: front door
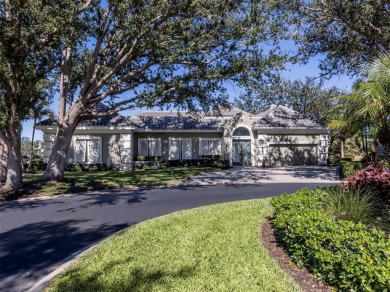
column 241, row 152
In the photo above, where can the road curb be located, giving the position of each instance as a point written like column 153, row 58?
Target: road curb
column 45, row 281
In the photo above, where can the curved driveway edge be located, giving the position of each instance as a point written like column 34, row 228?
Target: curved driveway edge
column 38, row 235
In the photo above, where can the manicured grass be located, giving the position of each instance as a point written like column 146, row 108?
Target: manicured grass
column 214, row 248
column 89, row 181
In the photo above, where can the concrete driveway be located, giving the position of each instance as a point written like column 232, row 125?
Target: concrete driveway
column 253, row 175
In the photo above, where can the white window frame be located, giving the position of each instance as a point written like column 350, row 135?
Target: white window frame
column 87, row 139
column 208, row 145
column 148, row 140
column 180, row 147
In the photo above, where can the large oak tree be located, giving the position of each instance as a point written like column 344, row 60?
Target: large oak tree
column 155, row 53
column 32, row 34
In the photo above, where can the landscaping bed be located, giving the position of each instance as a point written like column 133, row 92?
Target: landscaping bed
column 351, row 256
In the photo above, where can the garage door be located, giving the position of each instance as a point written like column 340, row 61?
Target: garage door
column 286, row 155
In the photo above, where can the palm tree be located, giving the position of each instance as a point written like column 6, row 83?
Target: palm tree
column 372, row 100
column 367, row 106
column 341, row 125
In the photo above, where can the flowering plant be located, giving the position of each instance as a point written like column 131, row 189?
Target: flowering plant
column 375, row 177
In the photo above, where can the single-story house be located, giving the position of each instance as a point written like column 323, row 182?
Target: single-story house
column 278, row 136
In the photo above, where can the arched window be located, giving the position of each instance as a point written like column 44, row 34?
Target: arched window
column 241, row 131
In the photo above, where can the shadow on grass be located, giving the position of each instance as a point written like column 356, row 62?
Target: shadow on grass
column 93, row 181
column 40, row 187
column 138, row 279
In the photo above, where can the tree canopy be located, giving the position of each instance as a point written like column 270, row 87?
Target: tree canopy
column 157, row 53
column 308, row 96
column 346, row 33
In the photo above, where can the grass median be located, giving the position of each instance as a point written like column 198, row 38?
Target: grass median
column 75, row 182
column 214, row 248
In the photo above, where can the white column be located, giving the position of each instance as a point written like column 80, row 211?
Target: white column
column 263, row 151
column 126, row 149
column 322, row 149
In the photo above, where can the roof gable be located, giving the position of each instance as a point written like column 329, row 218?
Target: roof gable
column 283, row 117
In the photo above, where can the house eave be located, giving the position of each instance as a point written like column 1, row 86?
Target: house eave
column 181, row 131
column 91, row 129
column 291, row 130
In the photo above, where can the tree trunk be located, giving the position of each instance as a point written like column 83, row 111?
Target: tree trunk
column 342, row 144
column 375, row 148
column 32, row 139
column 12, row 138
column 3, row 160
column 57, row 160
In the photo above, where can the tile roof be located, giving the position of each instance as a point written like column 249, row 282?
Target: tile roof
column 274, row 117
column 283, row 117
column 160, row 121
column 113, row 120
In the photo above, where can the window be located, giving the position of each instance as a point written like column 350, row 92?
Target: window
column 87, row 150
column 149, row 147
column 180, row 149
column 241, row 131
column 210, row 147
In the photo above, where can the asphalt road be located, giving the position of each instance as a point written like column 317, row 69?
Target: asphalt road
column 36, row 236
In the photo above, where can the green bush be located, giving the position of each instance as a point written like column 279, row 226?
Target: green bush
column 36, row 164
column 141, row 158
column 348, row 168
column 79, row 167
column 203, row 161
column 349, row 256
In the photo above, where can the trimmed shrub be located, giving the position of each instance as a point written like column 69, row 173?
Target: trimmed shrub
column 348, row 168
column 349, row 256
column 210, row 161
column 36, row 164
column 79, row 167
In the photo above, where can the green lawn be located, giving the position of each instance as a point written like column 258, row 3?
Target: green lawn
column 214, row 248
column 89, row 181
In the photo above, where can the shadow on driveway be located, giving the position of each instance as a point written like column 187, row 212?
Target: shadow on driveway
column 35, row 244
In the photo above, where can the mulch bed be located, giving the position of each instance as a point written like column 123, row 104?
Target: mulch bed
column 301, row 276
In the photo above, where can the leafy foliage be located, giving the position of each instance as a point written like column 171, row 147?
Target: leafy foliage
column 347, row 33
column 360, row 205
column 369, row 104
column 349, row 167
column 160, row 53
column 308, row 97
column 347, row 255
column 374, row 177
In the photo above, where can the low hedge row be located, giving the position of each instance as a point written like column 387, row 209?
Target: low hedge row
column 81, row 167
column 349, row 256
column 200, row 162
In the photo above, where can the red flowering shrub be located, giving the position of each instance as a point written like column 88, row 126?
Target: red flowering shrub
column 375, row 177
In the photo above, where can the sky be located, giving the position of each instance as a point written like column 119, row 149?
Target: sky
column 292, row 72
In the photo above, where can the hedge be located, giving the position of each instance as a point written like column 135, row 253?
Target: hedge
column 348, row 168
column 346, row 255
